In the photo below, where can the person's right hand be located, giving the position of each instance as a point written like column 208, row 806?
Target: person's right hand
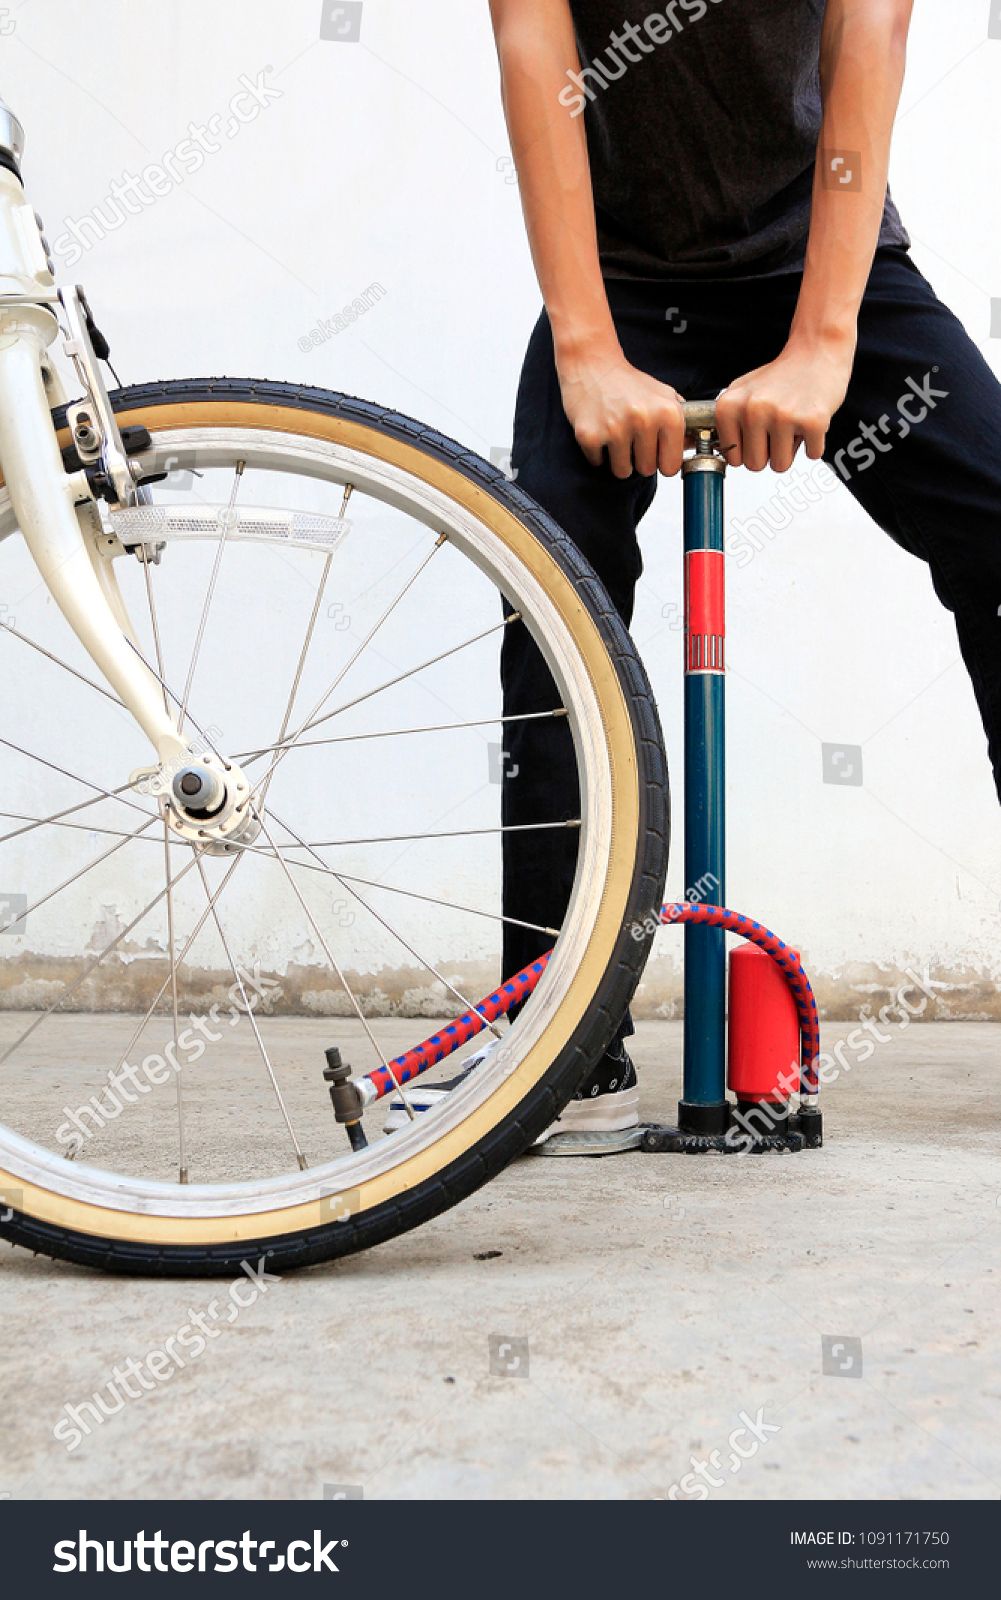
column 613, row 406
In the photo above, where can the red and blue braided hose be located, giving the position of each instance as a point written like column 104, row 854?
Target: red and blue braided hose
column 784, row 957
column 413, row 1062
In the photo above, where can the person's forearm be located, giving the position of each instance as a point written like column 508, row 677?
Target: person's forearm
column 862, row 67
column 536, row 48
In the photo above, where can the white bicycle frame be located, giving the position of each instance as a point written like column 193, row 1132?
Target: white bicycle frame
column 58, row 512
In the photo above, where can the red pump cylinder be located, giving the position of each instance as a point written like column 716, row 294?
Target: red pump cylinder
column 763, row 1028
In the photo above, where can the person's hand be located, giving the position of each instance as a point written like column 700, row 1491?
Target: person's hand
column 764, row 417
column 613, row 406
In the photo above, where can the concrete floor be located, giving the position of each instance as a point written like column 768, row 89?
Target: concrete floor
column 660, row 1298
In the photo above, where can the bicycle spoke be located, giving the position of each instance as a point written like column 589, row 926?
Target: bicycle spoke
column 413, row 671
column 253, row 1021
column 169, row 691
column 429, row 966
column 341, row 978
column 115, row 942
column 77, row 827
column 449, row 833
column 199, row 925
column 388, row 684
column 18, row 916
column 412, row 894
column 182, row 1158
column 284, row 745
column 225, row 520
column 86, row 827
column 50, row 821
column 345, row 878
column 348, row 490
column 324, row 575
column 396, row 733
column 64, row 664
column 102, row 794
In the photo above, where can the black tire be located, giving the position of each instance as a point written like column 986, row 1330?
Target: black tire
column 510, row 1137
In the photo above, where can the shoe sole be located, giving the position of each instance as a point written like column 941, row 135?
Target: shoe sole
column 606, row 1113
column 590, row 1144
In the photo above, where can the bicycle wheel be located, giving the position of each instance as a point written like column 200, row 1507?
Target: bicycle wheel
column 259, row 592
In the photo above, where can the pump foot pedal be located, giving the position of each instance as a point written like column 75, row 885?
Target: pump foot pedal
column 803, row 1132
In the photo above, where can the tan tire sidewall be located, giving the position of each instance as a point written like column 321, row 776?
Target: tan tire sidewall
column 163, row 1231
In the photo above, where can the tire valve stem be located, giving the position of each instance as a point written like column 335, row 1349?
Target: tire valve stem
column 345, row 1097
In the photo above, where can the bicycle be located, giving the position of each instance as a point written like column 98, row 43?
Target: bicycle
column 131, row 504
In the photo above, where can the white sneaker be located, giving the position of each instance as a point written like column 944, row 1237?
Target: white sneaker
column 601, row 1119
column 424, row 1099
column 607, row 1103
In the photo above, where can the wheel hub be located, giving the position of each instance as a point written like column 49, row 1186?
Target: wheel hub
column 207, row 801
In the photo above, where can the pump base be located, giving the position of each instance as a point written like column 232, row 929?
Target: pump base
column 804, row 1130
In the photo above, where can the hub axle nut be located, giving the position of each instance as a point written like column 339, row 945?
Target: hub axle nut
column 198, row 789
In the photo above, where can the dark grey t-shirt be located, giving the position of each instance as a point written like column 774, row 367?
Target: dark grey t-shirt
column 702, row 145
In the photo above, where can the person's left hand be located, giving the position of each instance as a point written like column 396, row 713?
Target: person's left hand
column 764, row 417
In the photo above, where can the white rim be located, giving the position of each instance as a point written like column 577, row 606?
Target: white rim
column 335, row 463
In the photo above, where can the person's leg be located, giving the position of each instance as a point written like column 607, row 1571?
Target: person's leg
column 918, row 443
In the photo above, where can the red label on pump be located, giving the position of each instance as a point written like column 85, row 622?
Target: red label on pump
column 705, row 623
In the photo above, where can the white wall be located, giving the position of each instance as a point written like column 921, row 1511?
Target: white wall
column 387, row 161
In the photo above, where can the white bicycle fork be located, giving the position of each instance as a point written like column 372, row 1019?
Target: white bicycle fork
column 55, row 509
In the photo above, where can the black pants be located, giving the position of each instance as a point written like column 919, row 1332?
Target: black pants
column 928, row 471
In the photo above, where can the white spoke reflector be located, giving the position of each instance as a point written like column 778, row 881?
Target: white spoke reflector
column 146, row 524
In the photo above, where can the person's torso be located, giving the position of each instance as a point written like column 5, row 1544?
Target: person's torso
column 702, row 120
